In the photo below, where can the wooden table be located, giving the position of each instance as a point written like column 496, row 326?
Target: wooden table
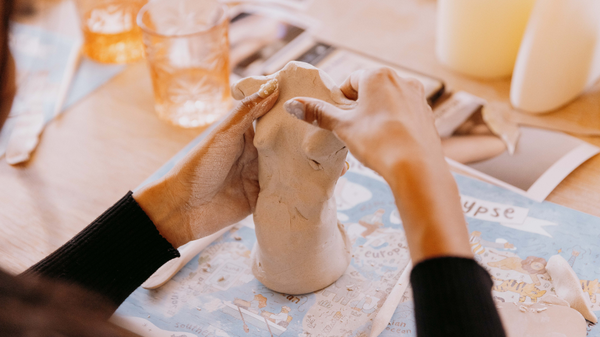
column 111, row 141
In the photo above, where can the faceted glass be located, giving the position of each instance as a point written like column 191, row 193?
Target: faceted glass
column 109, row 30
column 187, row 49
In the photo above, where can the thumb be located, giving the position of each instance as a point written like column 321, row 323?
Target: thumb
column 252, row 107
column 316, row 112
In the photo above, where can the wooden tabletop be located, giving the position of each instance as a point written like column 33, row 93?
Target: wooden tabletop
column 111, row 141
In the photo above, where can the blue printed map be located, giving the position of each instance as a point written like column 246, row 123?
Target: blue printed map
column 513, row 237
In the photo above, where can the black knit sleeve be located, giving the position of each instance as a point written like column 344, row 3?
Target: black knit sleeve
column 113, row 255
column 453, row 297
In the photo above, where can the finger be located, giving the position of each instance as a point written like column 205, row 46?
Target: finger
column 345, row 169
column 250, row 108
column 350, row 85
column 259, row 102
column 250, row 152
column 316, row 112
column 247, row 86
column 415, row 84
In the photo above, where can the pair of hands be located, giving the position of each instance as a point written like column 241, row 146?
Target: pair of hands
column 390, row 130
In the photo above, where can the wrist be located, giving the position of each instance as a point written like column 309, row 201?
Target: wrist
column 429, row 204
column 159, row 202
column 405, row 167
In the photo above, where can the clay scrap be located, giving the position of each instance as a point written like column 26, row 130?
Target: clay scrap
column 301, row 247
column 542, row 319
column 567, row 286
column 562, row 315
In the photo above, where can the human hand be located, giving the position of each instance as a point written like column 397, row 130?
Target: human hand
column 390, row 124
column 216, row 184
column 391, row 130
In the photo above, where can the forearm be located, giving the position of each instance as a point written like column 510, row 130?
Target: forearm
column 429, row 203
column 452, row 293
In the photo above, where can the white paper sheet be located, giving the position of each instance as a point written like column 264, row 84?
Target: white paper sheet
column 541, row 161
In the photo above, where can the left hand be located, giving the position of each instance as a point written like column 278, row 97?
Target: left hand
column 216, row 184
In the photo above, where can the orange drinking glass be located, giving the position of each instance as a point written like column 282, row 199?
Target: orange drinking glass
column 110, row 32
column 187, row 49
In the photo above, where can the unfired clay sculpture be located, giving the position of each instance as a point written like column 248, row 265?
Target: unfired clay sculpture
column 300, row 247
column 542, row 319
column 567, row 286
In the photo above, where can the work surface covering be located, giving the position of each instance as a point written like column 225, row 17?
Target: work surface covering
column 513, row 237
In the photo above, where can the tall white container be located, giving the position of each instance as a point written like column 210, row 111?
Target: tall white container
column 481, row 38
column 555, row 60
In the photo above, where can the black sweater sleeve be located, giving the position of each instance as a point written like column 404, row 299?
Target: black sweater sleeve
column 113, row 255
column 453, row 297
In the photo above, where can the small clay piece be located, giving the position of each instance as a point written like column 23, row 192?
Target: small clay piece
column 472, row 149
column 567, row 286
column 541, row 320
column 300, row 246
column 495, row 116
column 555, row 300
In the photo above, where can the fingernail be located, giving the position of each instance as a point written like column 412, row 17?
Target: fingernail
column 268, row 88
column 294, row 108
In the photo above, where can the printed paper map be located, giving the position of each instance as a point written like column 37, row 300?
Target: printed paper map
column 513, row 237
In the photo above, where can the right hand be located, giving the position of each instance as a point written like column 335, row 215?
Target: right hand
column 391, row 130
column 390, row 124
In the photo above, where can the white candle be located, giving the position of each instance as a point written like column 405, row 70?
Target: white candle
column 481, row 38
column 555, row 62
